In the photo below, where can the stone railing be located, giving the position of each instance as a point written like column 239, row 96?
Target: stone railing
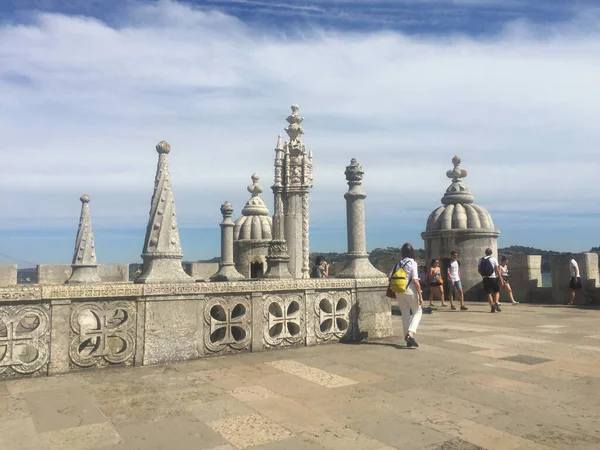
column 60, row 328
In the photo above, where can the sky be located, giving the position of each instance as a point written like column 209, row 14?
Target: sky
column 88, row 88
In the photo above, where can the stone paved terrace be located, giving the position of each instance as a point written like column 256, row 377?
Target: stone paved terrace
column 525, row 379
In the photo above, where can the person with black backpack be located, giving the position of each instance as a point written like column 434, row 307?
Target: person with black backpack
column 489, row 269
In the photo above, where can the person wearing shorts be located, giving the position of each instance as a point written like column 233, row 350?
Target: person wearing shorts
column 454, row 281
column 491, row 283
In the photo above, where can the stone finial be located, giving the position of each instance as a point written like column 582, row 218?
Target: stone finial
column 162, row 248
column 226, row 210
column 279, row 145
column 354, row 172
column 457, row 192
column 255, row 189
column 84, row 258
column 294, row 129
column 456, row 173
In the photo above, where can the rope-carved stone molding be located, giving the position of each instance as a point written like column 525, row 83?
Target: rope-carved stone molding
column 102, row 334
column 24, row 340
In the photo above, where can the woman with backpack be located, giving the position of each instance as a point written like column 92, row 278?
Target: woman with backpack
column 436, row 283
column 404, row 281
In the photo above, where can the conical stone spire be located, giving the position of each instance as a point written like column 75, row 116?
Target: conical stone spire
column 84, row 258
column 162, row 248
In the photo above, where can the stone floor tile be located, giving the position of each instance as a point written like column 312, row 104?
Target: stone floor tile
column 12, row 407
column 26, row 385
column 398, row 433
column 454, row 405
column 345, row 438
column 491, row 438
column 526, row 359
column 250, row 430
column 19, row 434
column 140, row 408
column 80, row 438
column 497, row 354
column 292, row 443
column 252, row 393
column 225, row 408
column 163, row 434
column 62, row 408
column 293, row 415
column 455, row 444
column 312, row 374
column 557, row 437
column 223, row 378
column 285, row 384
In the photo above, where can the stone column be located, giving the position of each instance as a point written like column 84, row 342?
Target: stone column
column 162, row 248
column 227, row 271
column 84, row 258
column 357, row 259
column 278, row 257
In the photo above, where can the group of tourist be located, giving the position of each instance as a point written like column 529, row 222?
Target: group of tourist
column 405, row 281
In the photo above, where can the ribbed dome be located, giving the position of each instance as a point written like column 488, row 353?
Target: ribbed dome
column 255, row 223
column 458, row 211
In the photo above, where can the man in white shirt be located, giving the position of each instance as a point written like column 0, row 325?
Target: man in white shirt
column 454, row 281
column 575, row 281
column 490, row 270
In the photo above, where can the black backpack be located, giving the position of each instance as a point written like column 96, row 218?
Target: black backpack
column 485, row 267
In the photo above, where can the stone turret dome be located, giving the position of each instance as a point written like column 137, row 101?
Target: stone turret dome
column 458, row 210
column 255, row 223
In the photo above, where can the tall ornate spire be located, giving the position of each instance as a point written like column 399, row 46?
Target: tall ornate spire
column 297, row 182
column 457, row 192
column 162, row 248
column 278, row 257
column 84, row 258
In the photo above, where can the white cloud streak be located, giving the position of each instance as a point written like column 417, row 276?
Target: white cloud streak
column 84, row 103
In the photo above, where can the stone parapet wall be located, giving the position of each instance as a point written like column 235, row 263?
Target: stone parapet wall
column 8, row 274
column 559, row 271
column 50, row 329
column 60, row 273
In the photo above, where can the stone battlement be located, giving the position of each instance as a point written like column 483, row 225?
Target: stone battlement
column 55, row 329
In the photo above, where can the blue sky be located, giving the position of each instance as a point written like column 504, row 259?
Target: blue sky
column 88, row 88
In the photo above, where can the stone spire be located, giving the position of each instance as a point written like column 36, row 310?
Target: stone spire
column 297, row 182
column 457, row 192
column 278, row 257
column 357, row 263
column 84, row 258
column 162, row 249
column 227, row 270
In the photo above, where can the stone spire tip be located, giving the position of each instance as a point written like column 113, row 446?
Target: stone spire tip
column 85, row 198
column 163, row 147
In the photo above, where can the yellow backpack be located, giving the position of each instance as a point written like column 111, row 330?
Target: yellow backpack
column 398, row 282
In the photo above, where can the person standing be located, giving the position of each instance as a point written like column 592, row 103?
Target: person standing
column 320, row 269
column 454, row 281
column 489, row 269
column 436, row 283
column 411, row 300
column 575, row 281
column 505, row 277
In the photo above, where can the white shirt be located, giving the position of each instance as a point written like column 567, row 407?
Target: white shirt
column 412, row 272
column 454, row 271
column 495, row 264
column 574, row 268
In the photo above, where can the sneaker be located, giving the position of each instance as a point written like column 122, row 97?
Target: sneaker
column 463, row 308
column 498, row 307
column 410, row 341
column 493, row 309
column 515, row 303
column 453, row 307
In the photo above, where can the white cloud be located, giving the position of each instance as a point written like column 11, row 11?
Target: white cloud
column 84, row 103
